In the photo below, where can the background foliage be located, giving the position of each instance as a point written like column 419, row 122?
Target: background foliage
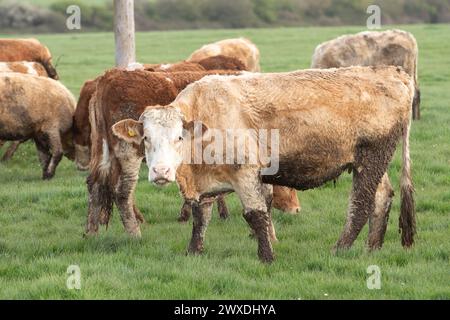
column 50, row 15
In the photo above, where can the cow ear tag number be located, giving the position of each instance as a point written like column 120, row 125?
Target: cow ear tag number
column 131, row 133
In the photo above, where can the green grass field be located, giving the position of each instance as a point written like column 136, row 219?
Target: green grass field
column 41, row 223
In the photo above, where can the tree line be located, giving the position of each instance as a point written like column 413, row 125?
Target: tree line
column 194, row 14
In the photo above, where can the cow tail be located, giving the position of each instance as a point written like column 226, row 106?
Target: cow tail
column 407, row 221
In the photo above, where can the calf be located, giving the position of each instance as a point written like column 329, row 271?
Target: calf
column 328, row 121
column 27, row 50
column 374, row 48
column 242, row 49
column 27, row 67
column 40, row 109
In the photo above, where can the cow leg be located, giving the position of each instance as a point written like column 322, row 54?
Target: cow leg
column 253, row 196
column 56, row 152
column 2, row 142
column 100, row 205
column 416, row 104
column 201, row 214
column 370, row 166
column 185, row 212
column 222, row 206
column 138, row 214
column 267, row 190
column 11, row 150
column 379, row 219
column 43, row 152
column 124, row 194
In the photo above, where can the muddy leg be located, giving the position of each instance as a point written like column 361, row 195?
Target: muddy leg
column 253, row 194
column 43, row 154
column 370, row 166
column 379, row 219
column 185, row 212
column 222, row 207
column 11, row 150
column 124, row 194
column 138, row 214
column 56, row 152
column 416, row 104
column 201, row 214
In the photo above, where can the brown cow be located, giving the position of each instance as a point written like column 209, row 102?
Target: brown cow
column 328, row 122
column 27, row 67
column 211, row 63
column 242, row 49
column 374, row 48
column 27, row 50
column 41, row 109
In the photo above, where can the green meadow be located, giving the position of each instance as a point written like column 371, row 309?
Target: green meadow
column 42, row 222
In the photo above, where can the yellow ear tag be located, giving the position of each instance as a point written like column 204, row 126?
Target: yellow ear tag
column 131, row 133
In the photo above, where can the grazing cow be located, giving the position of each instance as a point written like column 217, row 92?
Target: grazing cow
column 329, row 121
column 373, row 48
column 41, row 109
column 242, row 49
column 33, row 68
column 27, row 50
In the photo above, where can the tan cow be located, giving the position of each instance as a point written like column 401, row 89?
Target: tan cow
column 374, row 48
column 328, row 121
column 27, row 50
column 41, row 109
column 27, row 67
column 241, row 49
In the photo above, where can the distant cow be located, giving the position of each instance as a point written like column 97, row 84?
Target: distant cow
column 27, row 50
column 27, row 67
column 392, row 47
column 242, row 49
column 329, row 121
column 211, row 63
column 41, row 109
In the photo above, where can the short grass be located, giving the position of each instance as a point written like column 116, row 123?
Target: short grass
column 41, row 223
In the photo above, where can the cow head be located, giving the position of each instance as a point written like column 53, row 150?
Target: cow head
column 161, row 129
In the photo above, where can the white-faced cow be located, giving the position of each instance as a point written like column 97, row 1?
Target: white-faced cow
column 328, row 121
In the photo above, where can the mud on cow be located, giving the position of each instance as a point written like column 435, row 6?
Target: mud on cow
column 114, row 164
column 241, row 48
column 27, row 67
column 41, row 109
column 27, row 50
column 373, row 48
column 329, row 121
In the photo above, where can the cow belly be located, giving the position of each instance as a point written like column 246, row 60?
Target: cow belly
column 302, row 173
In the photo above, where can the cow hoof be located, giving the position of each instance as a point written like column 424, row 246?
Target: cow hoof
column 183, row 219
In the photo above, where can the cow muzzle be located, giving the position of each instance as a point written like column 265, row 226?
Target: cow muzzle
column 161, row 175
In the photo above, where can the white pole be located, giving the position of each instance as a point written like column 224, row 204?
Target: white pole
column 124, row 32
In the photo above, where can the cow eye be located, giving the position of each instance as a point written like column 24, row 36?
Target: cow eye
column 180, row 138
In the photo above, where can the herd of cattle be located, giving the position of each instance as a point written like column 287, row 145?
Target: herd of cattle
column 347, row 113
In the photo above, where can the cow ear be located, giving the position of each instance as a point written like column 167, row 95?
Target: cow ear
column 194, row 127
column 129, row 130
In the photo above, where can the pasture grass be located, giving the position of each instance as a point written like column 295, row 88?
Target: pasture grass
column 42, row 222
